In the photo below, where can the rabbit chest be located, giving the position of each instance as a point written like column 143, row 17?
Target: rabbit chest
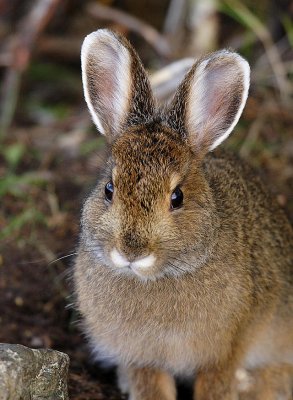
column 168, row 323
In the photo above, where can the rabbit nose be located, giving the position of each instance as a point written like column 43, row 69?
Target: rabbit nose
column 143, row 263
column 120, row 261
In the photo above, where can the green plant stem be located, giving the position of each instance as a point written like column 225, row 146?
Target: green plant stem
column 249, row 20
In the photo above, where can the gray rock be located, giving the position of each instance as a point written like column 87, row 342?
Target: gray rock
column 29, row 374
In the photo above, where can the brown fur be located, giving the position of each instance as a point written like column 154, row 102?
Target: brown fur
column 269, row 383
column 219, row 295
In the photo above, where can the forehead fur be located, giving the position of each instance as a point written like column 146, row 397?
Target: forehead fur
column 148, row 160
column 150, row 151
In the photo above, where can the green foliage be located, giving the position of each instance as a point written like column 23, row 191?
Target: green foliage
column 17, row 222
column 13, row 154
column 91, row 145
column 56, row 73
column 19, row 185
column 47, row 111
column 55, row 87
column 240, row 13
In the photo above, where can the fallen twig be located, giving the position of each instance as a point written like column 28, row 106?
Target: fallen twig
column 150, row 34
column 22, row 44
column 64, row 47
column 175, row 17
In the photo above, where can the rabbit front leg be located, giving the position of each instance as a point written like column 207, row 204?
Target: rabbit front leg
column 147, row 384
column 270, row 383
column 216, row 384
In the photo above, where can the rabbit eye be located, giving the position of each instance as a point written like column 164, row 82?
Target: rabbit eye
column 176, row 198
column 109, row 190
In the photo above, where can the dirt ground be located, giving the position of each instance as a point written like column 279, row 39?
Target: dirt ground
column 49, row 160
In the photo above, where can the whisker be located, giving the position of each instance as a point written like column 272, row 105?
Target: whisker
column 182, row 261
column 61, row 258
column 70, row 306
column 176, row 268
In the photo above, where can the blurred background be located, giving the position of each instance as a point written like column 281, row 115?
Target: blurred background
column 50, row 152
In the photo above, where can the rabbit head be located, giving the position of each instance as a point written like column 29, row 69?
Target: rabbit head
column 153, row 202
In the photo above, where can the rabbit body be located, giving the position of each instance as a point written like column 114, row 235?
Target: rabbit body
column 204, row 288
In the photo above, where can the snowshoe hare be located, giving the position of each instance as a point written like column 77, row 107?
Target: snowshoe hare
column 184, row 266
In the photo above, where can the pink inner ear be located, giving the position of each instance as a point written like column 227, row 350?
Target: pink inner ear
column 106, row 87
column 216, row 92
column 107, row 82
column 109, row 86
column 116, row 87
column 215, row 101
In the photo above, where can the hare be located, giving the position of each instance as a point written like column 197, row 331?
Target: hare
column 184, row 266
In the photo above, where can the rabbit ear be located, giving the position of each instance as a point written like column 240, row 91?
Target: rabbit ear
column 116, row 87
column 210, row 100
